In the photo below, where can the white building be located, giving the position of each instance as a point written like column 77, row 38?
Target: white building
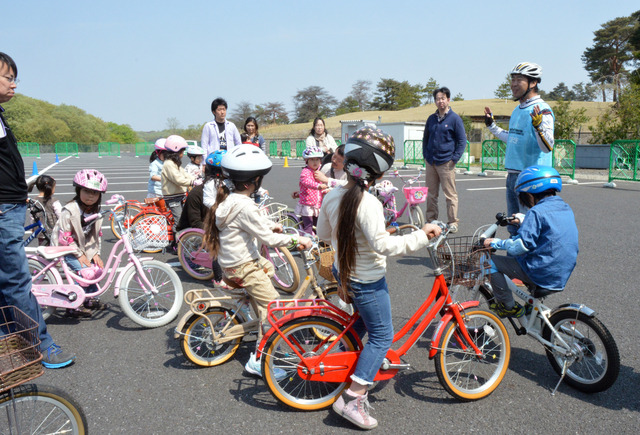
column 400, row 131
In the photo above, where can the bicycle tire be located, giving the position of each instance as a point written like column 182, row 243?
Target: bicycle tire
column 132, row 210
column 596, row 364
column 190, row 244
column 197, row 342
column 277, row 356
column 331, row 294
column 460, row 372
column 145, row 215
column 145, row 308
column 42, row 409
column 291, row 221
column 48, row 277
column 287, row 274
column 416, row 216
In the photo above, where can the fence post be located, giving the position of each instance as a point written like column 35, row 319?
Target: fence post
column 493, row 151
column 300, row 147
column 273, row 149
column 286, row 148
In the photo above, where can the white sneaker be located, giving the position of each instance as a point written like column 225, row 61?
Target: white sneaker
column 254, row 366
column 356, row 410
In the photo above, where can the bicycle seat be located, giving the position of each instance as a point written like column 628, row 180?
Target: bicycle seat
column 53, row 252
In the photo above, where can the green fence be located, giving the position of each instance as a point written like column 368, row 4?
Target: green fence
column 564, row 157
column 623, row 160
column 286, row 148
column 413, row 154
column 29, row 149
column 465, row 159
column 144, row 148
column 493, row 151
column 273, row 148
column 300, row 147
column 108, row 149
column 338, row 142
column 66, row 149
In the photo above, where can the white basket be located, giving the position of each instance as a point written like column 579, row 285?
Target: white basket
column 150, row 232
column 275, row 211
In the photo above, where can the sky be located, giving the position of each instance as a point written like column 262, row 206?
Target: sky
column 143, row 62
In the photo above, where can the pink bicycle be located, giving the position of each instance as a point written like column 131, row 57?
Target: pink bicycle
column 414, row 195
column 149, row 291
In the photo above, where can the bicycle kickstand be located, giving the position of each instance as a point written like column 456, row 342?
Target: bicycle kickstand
column 564, row 372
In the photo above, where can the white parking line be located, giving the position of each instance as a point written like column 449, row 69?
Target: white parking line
column 489, row 188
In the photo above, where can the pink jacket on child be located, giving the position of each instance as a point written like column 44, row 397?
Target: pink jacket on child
column 310, row 193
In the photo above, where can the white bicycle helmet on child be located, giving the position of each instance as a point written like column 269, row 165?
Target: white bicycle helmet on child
column 312, row 152
column 90, row 179
column 195, row 150
column 245, row 162
column 175, row 143
column 159, row 145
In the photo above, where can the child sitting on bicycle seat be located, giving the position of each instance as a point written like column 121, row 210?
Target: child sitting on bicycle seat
column 543, row 253
column 234, row 224
column 46, row 186
column 72, row 230
column 310, row 197
column 175, row 180
column 353, row 220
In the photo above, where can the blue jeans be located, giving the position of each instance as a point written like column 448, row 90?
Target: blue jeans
column 513, row 203
column 74, row 264
column 372, row 301
column 15, row 279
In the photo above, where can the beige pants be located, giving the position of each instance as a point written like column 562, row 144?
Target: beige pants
column 443, row 175
column 255, row 277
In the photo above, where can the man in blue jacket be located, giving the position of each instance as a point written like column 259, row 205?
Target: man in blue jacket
column 443, row 143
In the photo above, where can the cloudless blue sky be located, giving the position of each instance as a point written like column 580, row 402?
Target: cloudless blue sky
column 142, row 62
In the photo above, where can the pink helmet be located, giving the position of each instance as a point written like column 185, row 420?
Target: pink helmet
column 159, row 145
column 175, row 143
column 91, row 179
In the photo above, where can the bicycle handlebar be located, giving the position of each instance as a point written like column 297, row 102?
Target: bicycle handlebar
column 502, row 220
column 114, row 199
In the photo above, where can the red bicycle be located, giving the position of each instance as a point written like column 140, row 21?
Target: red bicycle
column 137, row 212
column 311, row 350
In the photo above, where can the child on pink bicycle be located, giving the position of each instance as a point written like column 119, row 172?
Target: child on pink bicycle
column 311, row 191
column 234, row 224
column 73, row 230
column 353, row 220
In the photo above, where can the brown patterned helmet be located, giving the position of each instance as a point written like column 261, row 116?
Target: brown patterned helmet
column 369, row 153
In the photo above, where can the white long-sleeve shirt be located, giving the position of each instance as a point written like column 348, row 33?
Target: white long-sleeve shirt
column 373, row 241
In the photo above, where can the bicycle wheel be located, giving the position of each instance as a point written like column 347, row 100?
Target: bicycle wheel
column 198, row 344
column 416, row 216
column 132, row 210
column 40, row 409
column 594, row 362
column 35, row 266
column 144, row 307
column 138, row 218
column 331, row 294
column 280, row 364
column 287, row 275
column 464, row 375
column 189, row 250
column 291, row 221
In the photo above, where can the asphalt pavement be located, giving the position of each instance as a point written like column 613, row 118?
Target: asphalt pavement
column 134, row 380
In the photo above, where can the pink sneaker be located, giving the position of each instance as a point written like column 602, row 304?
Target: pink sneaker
column 356, row 410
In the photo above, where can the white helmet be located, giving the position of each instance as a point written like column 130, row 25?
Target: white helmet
column 245, row 162
column 195, row 150
column 528, row 69
column 159, row 145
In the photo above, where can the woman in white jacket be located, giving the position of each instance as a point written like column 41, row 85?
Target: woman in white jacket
column 234, row 226
column 319, row 137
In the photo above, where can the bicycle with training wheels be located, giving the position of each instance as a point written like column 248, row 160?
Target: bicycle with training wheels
column 149, row 291
column 37, row 227
column 578, row 345
column 218, row 319
column 311, row 349
column 414, row 195
column 30, row 408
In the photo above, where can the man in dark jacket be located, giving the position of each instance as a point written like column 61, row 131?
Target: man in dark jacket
column 443, row 143
column 15, row 279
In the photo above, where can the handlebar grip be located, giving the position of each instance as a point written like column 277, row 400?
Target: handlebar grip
column 114, row 199
column 92, row 217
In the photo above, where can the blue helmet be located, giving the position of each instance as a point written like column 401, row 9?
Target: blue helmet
column 537, row 179
column 213, row 163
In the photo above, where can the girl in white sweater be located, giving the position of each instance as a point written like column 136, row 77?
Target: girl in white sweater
column 234, row 226
column 353, row 220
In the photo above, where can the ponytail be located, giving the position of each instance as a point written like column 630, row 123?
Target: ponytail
column 211, row 231
column 346, row 234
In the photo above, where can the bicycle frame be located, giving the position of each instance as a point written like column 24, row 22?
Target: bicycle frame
column 412, row 195
column 39, row 228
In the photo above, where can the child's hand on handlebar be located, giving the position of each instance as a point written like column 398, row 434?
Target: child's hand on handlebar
column 487, row 242
column 305, row 242
column 432, row 230
column 277, row 228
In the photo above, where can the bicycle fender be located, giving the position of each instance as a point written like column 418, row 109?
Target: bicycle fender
column 185, row 318
column 574, row 307
column 181, row 233
column 435, row 339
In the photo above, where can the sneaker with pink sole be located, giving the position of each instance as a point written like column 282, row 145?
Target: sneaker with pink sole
column 356, row 410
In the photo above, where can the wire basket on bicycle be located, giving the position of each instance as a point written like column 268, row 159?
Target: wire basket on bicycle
column 275, row 211
column 19, row 354
column 150, row 232
column 462, row 260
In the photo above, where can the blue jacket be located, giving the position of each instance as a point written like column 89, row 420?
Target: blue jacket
column 445, row 140
column 550, row 234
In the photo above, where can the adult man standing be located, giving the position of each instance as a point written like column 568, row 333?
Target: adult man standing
column 443, row 143
column 219, row 134
column 15, row 280
column 530, row 136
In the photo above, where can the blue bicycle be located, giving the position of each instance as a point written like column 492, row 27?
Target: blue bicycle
column 37, row 227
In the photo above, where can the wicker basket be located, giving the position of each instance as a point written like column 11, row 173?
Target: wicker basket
column 19, row 354
column 462, row 261
column 325, row 265
column 151, row 232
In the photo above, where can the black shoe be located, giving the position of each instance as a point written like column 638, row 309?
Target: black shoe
column 95, row 304
column 78, row 313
